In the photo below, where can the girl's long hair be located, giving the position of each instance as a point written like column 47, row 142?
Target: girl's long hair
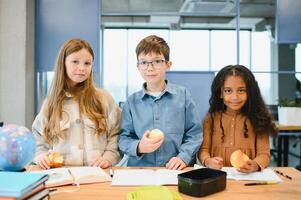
column 90, row 101
column 254, row 109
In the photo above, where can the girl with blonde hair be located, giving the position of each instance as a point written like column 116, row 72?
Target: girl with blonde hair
column 77, row 120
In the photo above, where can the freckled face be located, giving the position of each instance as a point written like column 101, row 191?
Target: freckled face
column 234, row 93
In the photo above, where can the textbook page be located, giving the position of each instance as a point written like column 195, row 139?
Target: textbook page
column 264, row 175
column 84, row 175
column 57, row 177
column 134, row 177
column 75, row 175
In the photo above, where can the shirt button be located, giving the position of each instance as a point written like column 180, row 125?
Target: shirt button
column 157, row 118
column 232, row 126
column 231, row 143
column 233, row 119
column 80, row 146
column 78, row 121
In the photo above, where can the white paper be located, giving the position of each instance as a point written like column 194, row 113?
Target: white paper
column 134, row 177
column 264, row 175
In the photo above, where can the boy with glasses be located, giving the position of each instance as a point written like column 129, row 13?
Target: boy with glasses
column 159, row 105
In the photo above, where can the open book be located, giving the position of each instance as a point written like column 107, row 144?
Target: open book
column 264, row 175
column 129, row 177
column 75, row 175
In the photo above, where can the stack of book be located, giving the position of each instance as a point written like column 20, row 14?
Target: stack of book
column 23, row 185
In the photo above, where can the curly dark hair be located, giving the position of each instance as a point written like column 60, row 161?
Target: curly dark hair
column 254, row 109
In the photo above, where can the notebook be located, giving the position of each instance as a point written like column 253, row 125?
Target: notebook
column 264, row 175
column 20, row 184
column 130, row 177
column 75, row 175
column 41, row 195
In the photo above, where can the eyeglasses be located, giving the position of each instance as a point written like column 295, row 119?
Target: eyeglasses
column 157, row 64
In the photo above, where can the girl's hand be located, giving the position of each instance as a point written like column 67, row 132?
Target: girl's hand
column 249, row 166
column 148, row 145
column 214, row 163
column 43, row 160
column 175, row 163
column 101, row 162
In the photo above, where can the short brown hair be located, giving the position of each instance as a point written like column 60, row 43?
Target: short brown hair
column 153, row 44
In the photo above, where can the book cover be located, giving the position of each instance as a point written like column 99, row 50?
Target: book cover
column 43, row 194
column 19, row 184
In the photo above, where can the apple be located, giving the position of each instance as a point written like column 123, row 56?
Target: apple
column 238, row 159
column 55, row 160
column 156, row 133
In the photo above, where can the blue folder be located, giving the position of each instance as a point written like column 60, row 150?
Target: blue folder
column 18, row 184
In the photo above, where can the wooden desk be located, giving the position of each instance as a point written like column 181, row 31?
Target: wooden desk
column 283, row 143
column 288, row 189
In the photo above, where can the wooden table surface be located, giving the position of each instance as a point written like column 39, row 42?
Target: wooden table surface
column 288, row 189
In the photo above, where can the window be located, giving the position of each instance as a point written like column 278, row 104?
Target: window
column 190, row 50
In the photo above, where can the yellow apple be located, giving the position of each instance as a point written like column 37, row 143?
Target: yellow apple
column 156, row 133
column 55, row 160
column 238, row 159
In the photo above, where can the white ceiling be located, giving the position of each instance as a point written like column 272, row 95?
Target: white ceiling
column 255, row 14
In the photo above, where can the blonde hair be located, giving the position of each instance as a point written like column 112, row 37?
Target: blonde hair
column 89, row 100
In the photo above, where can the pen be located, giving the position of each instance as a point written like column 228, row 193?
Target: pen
column 52, row 190
column 262, row 183
column 111, row 172
column 282, row 174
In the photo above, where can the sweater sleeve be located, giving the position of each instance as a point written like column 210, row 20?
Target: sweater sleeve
column 205, row 148
column 262, row 150
column 111, row 152
column 37, row 130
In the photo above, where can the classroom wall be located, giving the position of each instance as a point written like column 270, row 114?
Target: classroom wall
column 17, row 61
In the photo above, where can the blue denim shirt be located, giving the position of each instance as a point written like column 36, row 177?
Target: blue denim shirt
column 173, row 112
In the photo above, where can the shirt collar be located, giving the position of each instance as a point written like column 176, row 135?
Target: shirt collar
column 169, row 89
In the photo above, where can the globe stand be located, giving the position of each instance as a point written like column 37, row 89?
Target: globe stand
column 21, row 170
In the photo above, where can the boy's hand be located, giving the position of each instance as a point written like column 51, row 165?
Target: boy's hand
column 214, row 163
column 101, row 162
column 249, row 166
column 175, row 163
column 148, row 145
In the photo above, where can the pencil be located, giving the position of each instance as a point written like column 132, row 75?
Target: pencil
column 262, row 183
column 282, row 174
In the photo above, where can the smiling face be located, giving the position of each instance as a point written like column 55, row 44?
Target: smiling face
column 78, row 66
column 234, row 93
column 154, row 74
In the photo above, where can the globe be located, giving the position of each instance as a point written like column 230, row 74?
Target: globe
column 17, row 147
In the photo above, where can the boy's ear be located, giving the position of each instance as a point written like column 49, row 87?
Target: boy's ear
column 168, row 65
